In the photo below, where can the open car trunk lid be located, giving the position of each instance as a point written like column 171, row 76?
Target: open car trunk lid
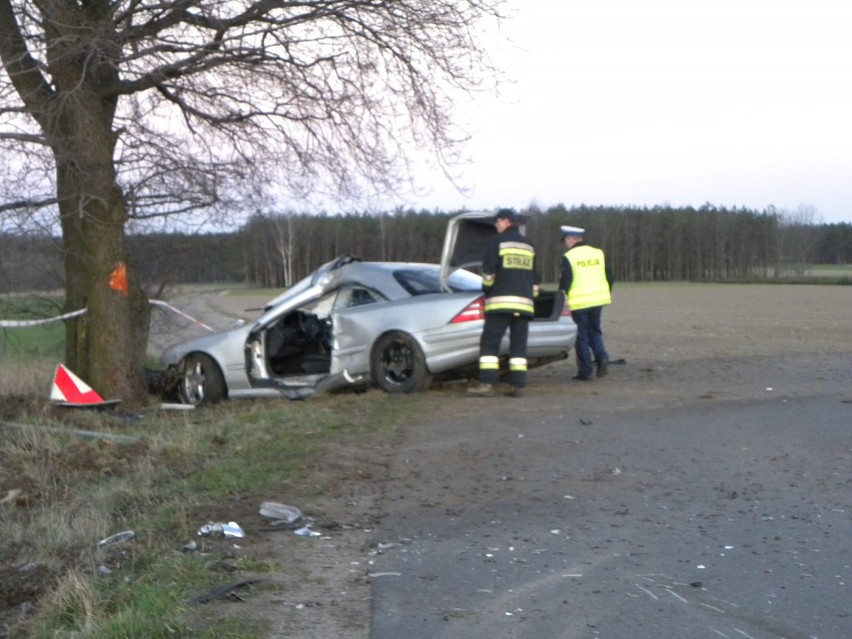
column 467, row 238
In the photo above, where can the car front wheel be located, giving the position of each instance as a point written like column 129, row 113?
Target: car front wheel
column 201, row 381
column 398, row 364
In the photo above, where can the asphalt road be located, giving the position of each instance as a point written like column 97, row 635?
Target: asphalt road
column 641, row 506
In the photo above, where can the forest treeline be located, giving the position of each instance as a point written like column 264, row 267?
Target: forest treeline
column 642, row 244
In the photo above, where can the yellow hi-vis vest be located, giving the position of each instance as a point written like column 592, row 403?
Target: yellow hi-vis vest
column 588, row 283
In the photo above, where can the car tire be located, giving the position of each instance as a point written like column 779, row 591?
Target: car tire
column 397, row 364
column 200, row 380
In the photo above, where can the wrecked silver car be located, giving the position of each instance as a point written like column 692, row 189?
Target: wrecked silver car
column 394, row 325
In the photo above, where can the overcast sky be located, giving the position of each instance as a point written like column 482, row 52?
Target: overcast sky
column 744, row 103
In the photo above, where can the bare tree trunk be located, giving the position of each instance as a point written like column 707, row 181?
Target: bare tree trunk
column 107, row 346
column 284, row 238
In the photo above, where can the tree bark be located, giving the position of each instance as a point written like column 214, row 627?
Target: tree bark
column 106, row 346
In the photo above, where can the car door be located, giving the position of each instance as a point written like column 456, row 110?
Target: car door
column 302, row 345
column 270, row 335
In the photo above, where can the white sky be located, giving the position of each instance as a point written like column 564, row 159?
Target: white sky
column 642, row 102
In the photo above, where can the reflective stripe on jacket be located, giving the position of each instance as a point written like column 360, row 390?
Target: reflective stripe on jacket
column 589, row 285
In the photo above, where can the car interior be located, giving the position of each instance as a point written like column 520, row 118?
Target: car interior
column 300, row 342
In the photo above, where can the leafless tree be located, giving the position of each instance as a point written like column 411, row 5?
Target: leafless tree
column 799, row 237
column 285, row 238
column 144, row 109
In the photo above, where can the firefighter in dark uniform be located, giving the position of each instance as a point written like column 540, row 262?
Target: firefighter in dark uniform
column 587, row 282
column 510, row 280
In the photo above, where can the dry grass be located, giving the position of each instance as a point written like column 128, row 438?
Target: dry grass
column 30, row 376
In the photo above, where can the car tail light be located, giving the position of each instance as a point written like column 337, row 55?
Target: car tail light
column 473, row 311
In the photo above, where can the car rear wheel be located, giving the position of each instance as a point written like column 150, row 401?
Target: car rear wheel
column 201, row 381
column 398, row 364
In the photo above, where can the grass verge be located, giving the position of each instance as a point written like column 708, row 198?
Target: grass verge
column 63, row 493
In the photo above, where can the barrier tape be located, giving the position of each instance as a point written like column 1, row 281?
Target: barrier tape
column 39, row 322
column 59, row 318
column 182, row 314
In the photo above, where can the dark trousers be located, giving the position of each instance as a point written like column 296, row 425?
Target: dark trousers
column 589, row 339
column 489, row 347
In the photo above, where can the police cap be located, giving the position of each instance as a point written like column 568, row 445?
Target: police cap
column 571, row 231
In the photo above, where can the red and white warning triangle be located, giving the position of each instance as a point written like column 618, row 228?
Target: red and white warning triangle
column 70, row 390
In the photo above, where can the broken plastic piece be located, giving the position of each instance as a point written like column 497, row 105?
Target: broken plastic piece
column 280, row 512
column 172, row 406
column 307, row 531
column 117, row 538
column 220, row 592
column 219, row 529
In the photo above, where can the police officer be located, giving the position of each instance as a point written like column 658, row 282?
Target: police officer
column 510, row 280
column 587, row 281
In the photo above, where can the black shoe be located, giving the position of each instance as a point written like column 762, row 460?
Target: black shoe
column 603, row 367
column 582, row 378
column 515, row 391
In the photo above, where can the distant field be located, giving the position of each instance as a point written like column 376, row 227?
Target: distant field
column 830, row 270
column 35, row 341
column 268, row 293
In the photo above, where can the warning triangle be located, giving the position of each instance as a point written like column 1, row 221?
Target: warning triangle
column 70, row 390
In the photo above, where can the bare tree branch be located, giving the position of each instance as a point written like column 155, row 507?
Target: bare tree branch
column 131, row 111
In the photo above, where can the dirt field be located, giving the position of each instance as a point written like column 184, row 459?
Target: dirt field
column 680, row 343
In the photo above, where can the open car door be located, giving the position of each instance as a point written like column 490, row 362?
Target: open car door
column 292, row 347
